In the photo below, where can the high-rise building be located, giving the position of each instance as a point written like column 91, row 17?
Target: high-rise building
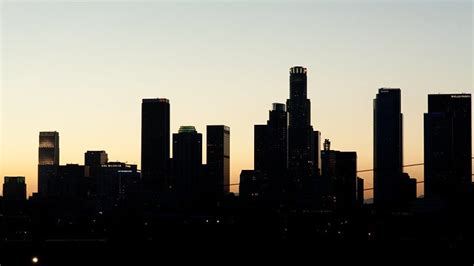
column 14, row 188
column 388, row 147
column 339, row 176
column 277, row 139
column 300, row 131
column 271, row 152
column 218, row 158
column 48, row 160
column 95, row 158
column 448, row 146
column 69, row 182
column 155, row 146
column 117, row 180
column 187, row 161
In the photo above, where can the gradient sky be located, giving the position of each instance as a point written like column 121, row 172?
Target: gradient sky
column 82, row 68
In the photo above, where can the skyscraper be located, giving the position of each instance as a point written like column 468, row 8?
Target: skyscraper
column 300, row 131
column 48, row 159
column 448, row 146
column 218, row 158
column 277, row 139
column 271, row 152
column 14, row 188
column 339, row 177
column 187, row 161
column 301, row 144
column 155, row 149
column 388, row 147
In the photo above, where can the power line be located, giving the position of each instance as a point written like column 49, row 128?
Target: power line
column 371, row 170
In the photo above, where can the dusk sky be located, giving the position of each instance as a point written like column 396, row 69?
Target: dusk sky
column 83, row 68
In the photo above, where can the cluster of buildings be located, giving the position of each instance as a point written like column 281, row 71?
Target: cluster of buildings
column 292, row 165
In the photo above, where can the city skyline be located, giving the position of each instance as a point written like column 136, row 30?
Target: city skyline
column 96, row 107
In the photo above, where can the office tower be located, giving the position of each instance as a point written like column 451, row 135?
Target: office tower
column 69, row 182
column 95, row 158
column 360, row 191
column 300, row 131
column 218, row 158
column 277, row 137
column 271, row 152
column 48, row 159
column 339, row 172
column 117, row 181
column 448, row 146
column 14, row 188
column 187, row 161
column 155, row 149
column 388, row 147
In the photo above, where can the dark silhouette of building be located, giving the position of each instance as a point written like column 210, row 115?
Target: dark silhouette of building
column 271, row 152
column 218, row 158
column 448, row 146
column 155, row 149
column 388, row 147
column 117, row 181
column 339, row 175
column 250, row 185
column 409, row 188
column 360, row 191
column 14, row 188
column 95, row 158
column 300, row 131
column 69, row 182
column 187, row 162
column 48, row 160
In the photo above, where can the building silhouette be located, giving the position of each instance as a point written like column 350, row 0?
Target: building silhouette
column 95, row 158
column 14, row 188
column 218, row 159
column 448, row 146
column 187, row 163
column 69, row 182
column 271, row 152
column 117, row 181
column 388, row 147
column 155, row 145
column 250, row 185
column 339, row 177
column 48, row 160
column 300, row 131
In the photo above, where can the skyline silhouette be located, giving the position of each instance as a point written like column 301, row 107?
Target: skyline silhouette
column 351, row 51
column 140, row 130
